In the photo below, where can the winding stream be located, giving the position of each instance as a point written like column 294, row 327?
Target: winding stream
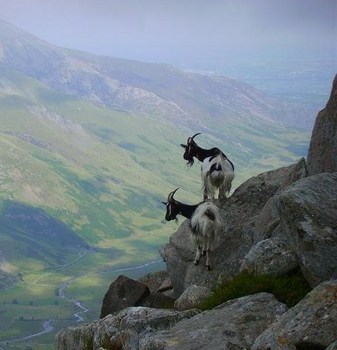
column 47, row 325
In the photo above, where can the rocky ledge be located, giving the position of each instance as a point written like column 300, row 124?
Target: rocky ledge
column 273, row 223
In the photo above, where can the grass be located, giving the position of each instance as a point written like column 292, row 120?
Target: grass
column 288, row 289
column 104, row 184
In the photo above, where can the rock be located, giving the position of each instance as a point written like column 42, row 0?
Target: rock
column 308, row 212
column 192, row 297
column 332, row 346
column 122, row 293
column 272, row 223
column 238, row 214
column 154, row 280
column 232, row 325
column 165, row 286
column 298, row 227
column 120, row 331
column 271, row 256
column 322, row 155
column 157, row 300
column 311, row 322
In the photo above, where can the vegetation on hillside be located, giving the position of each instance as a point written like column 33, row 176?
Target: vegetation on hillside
column 288, row 289
column 91, row 146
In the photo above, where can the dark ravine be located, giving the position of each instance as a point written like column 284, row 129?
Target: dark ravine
column 273, row 223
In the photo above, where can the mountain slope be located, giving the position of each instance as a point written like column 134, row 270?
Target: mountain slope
column 95, row 141
column 89, row 139
column 93, row 145
column 136, row 87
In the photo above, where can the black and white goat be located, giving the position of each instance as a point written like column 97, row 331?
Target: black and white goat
column 217, row 171
column 205, row 224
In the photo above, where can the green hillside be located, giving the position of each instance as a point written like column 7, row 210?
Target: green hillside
column 85, row 165
column 99, row 176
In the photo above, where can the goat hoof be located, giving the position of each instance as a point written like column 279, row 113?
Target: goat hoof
column 196, row 262
column 208, row 267
column 203, row 252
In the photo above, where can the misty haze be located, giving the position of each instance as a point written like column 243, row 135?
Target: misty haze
column 96, row 99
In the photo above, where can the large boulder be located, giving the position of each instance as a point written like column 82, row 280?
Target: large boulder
column 301, row 231
column 273, row 256
column 238, row 214
column 308, row 212
column 311, row 324
column 322, row 156
column 123, row 292
column 192, row 297
column 122, row 330
column 232, row 325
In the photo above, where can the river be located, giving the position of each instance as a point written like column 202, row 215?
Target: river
column 47, row 325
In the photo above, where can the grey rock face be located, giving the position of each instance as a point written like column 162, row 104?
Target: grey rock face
column 312, row 321
column 308, row 212
column 322, row 155
column 298, row 227
column 154, row 280
column 123, row 292
column 238, row 214
column 120, row 331
column 272, row 256
column 232, row 325
column 192, row 297
column 332, row 346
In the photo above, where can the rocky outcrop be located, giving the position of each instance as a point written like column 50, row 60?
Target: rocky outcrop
column 239, row 214
column 311, row 322
column 125, row 292
column 298, row 228
column 272, row 224
column 322, row 156
column 232, row 325
column 192, row 297
column 123, row 330
column 235, row 325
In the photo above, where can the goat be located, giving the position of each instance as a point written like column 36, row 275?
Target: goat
column 205, row 224
column 217, row 171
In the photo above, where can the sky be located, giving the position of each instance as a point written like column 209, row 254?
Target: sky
column 178, row 30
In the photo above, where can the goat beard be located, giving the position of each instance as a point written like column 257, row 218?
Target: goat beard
column 190, row 162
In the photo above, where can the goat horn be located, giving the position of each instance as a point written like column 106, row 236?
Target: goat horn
column 170, row 196
column 198, row 133
column 190, row 139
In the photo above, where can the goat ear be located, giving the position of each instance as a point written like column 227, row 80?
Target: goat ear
column 183, row 146
column 165, row 203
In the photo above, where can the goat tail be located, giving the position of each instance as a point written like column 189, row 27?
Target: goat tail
column 206, row 223
column 217, row 173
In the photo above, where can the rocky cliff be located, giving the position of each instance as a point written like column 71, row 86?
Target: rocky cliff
column 272, row 224
column 322, row 156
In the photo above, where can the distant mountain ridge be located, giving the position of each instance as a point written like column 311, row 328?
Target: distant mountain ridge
column 136, row 87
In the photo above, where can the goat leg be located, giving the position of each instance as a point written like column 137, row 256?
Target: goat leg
column 208, row 260
column 197, row 256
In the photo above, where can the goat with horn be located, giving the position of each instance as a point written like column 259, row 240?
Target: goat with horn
column 217, row 171
column 205, row 224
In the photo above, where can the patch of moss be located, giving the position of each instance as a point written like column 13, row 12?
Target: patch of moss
column 288, row 289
